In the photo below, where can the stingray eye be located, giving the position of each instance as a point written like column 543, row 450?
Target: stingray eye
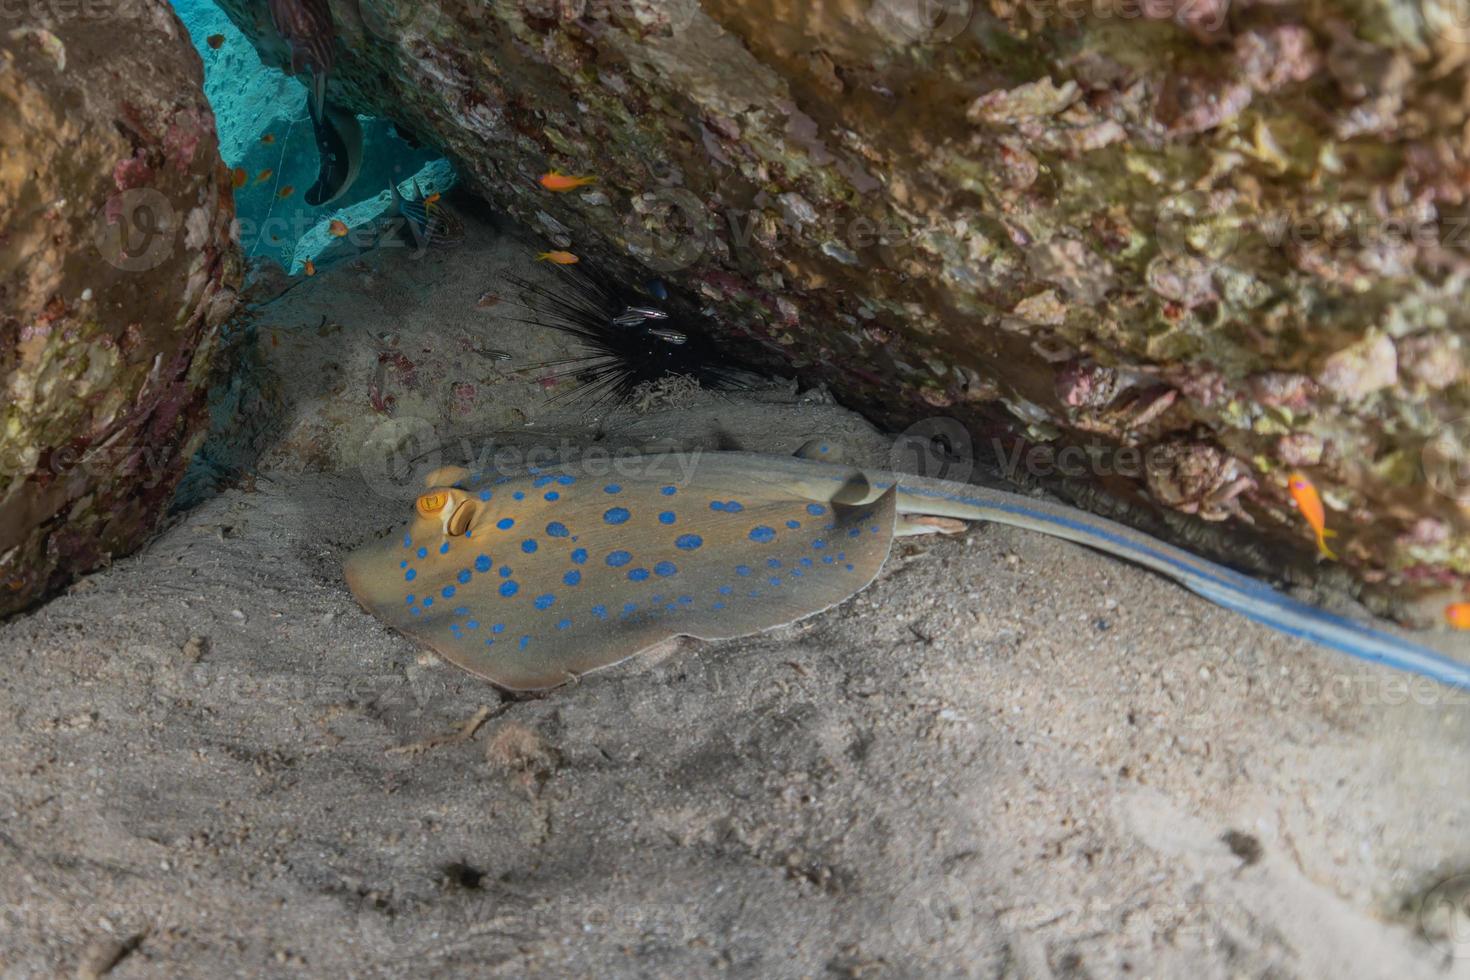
column 459, row 521
column 432, row 503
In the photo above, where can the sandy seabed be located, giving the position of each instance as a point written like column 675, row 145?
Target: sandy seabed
column 1011, row 756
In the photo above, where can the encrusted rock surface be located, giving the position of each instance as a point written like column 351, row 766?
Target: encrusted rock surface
column 117, row 270
column 1233, row 234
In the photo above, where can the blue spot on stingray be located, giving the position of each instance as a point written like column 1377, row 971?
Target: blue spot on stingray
column 849, row 568
column 612, row 488
column 482, row 564
column 793, row 524
column 599, row 611
column 557, row 529
column 618, row 559
column 797, row 573
column 525, row 642
column 416, row 611
column 411, row 599
column 403, row 564
column 501, row 479
column 519, row 495
column 542, row 481
column 454, row 628
column 462, row 611
column 579, row 556
column 875, row 529
column 529, row 546
column 819, row 544
column 428, row 600
column 553, row 495
column 444, row 548
column 823, row 449
column 806, row 562
column 667, row 517
column 564, row 624
column 572, row 578
column 545, row 601
column 728, row 506
column 684, row 600
column 762, row 534
column 473, row 624
column 498, row 628
column 742, row 570
column 774, row 581
column 854, row 532
column 718, row 606
column 566, row 479
column 629, row 609
column 464, row 577
column 689, row 542
column 816, row 510
column 449, row 592
column 668, row 491
column 505, row 571
column 725, row 590
column 638, row 575
column 827, row 559
column 489, row 642
column 505, row 523
column 509, row 589
column 423, row 552
column 618, row 515
column 665, row 568
column 533, row 470
column 410, row 575
column 773, row 563
column 486, row 495
column 407, row 541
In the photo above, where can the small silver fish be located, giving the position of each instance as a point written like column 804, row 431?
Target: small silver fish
column 632, row 316
column 669, row 336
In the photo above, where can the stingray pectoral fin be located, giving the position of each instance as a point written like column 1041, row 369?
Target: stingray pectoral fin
column 542, row 591
column 828, row 564
column 339, row 149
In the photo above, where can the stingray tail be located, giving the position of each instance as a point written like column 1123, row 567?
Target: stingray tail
column 1221, row 585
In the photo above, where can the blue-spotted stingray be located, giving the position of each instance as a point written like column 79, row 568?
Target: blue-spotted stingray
column 536, row 580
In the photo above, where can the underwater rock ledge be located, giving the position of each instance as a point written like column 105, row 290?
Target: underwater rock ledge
column 1207, row 243
column 117, row 270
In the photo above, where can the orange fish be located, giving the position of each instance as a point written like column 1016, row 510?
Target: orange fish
column 339, row 228
column 215, row 40
column 1310, row 504
column 560, row 258
column 268, row 138
column 286, row 192
column 559, row 182
column 240, row 177
column 264, row 176
column 310, row 267
column 433, row 198
column 1457, row 614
